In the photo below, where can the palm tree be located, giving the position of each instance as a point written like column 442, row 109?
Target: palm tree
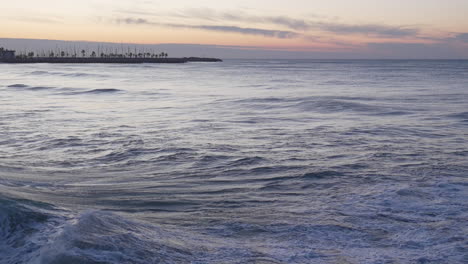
column 83, row 52
column 62, row 54
column 93, row 54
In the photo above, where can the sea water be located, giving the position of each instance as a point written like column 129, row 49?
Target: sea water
column 244, row 161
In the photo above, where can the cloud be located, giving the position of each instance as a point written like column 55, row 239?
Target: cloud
column 134, row 21
column 239, row 16
column 247, row 31
column 296, row 24
column 287, row 24
column 282, row 34
column 380, row 30
column 369, row 29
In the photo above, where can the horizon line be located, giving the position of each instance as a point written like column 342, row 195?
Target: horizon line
column 264, row 53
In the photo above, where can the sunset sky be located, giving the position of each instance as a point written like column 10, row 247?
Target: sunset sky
column 346, row 26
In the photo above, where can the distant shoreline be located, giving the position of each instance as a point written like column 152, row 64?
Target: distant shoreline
column 85, row 60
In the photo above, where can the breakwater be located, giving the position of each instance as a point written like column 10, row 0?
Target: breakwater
column 106, row 60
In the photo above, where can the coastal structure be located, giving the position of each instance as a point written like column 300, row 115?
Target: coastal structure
column 9, row 56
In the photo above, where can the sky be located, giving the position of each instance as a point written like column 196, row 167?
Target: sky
column 346, row 28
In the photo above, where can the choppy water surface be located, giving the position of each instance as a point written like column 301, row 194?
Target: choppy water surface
column 234, row 162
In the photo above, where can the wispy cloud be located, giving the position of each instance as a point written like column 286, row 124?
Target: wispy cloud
column 369, row 29
column 238, row 16
column 135, row 21
column 282, row 34
column 294, row 24
column 288, row 26
column 297, row 24
column 247, row 31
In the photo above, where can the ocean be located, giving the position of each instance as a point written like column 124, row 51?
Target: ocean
column 243, row 161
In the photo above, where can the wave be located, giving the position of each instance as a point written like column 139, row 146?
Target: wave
column 103, row 237
column 322, row 175
column 36, row 233
column 32, row 232
column 100, row 91
column 65, row 74
column 40, row 88
column 331, row 106
column 25, row 87
column 24, row 227
column 39, row 72
column 82, row 74
column 321, row 104
column 75, row 91
column 18, row 85
column 247, row 161
column 462, row 115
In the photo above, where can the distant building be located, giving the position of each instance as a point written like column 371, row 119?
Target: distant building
column 7, row 54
